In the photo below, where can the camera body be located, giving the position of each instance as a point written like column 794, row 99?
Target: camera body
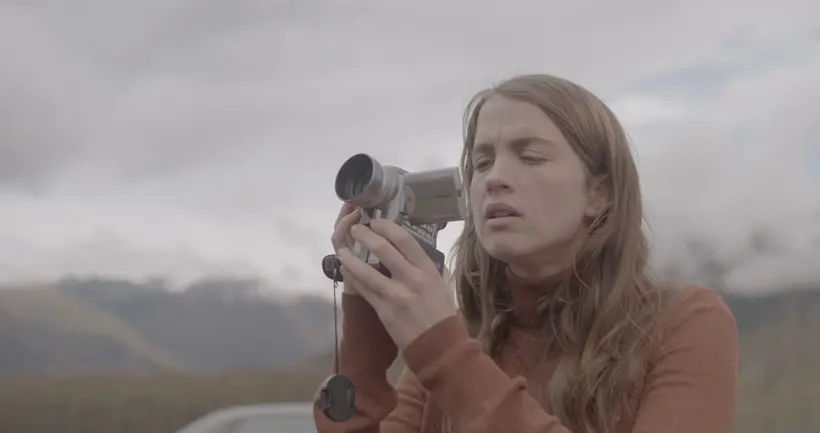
column 422, row 202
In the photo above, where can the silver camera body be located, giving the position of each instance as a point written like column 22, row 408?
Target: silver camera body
column 422, row 202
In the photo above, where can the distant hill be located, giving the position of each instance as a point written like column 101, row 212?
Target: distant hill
column 110, row 325
column 51, row 331
column 220, row 325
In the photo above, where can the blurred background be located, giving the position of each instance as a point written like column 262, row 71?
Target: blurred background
column 166, row 181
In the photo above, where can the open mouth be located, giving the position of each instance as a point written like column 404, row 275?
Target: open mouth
column 498, row 211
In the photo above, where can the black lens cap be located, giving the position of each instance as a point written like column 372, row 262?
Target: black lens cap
column 338, row 398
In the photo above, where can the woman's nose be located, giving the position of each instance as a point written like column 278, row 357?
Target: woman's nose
column 498, row 178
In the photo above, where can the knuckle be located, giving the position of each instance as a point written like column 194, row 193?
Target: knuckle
column 405, row 238
column 418, row 278
column 351, row 218
column 403, row 301
column 406, row 242
column 339, row 239
column 389, row 229
column 382, row 226
column 379, row 246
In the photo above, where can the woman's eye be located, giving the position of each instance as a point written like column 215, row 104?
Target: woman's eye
column 480, row 165
column 533, row 159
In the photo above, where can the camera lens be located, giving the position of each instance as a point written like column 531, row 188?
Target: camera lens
column 354, row 177
column 363, row 182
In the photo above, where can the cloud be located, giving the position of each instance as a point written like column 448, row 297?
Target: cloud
column 194, row 138
column 742, row 175
column 139, row 239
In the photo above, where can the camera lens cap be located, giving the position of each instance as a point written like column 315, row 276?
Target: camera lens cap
column 338, row 398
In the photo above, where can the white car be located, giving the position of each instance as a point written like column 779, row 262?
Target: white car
column 261, row 418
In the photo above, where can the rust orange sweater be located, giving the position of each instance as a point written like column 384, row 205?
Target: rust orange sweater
column 689, row 387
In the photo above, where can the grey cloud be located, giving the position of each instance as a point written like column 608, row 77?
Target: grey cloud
column 38, row 128
column 241, row 112
column 99, row 84
column 732, row 194
column 154, row 87
column 26, row 122
column 112, row 255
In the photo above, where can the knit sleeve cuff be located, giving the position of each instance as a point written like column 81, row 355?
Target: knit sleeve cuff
column 452, row 367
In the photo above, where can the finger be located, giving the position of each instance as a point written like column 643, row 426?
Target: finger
column 351, row 284
column 388, row 255
column 341, row 233
column 361, row 289
column 346, row 209
column 373, row 284
column 406, row 244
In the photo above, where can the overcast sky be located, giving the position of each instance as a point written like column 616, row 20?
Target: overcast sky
column 190, row 138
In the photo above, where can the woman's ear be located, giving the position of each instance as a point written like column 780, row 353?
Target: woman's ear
column 598, row 198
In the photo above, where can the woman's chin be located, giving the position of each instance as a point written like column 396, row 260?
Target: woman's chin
column 504, row 249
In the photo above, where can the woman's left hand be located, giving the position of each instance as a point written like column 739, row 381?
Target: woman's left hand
column 416, row 297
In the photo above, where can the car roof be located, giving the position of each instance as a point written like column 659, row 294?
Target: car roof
column 268, row 409
column 244, row 411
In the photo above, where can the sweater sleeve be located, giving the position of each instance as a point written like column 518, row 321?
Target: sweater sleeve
column 406, row 417
column 366, row 353
column 690, row 388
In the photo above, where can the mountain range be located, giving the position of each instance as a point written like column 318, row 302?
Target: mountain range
column 219, row 325
column 105, row 325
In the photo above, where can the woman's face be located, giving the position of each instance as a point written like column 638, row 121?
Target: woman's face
column 529, row 192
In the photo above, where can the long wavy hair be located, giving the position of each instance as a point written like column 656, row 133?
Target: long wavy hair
column 600, row 317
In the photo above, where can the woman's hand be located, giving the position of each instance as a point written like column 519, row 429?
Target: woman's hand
column 415, row 298
column 341, row 238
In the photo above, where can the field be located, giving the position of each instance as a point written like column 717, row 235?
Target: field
column 781, row 403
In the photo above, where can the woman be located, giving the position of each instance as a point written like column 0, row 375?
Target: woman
column 560, row 326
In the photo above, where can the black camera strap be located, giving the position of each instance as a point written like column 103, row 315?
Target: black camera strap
column 337, row 395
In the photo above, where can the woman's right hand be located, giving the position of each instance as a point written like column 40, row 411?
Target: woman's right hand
column 341, row 238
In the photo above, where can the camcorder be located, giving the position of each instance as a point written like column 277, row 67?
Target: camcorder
column 423, row 202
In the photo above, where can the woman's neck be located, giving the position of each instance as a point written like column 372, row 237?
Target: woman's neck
column 548, row 261
column 526, row 292
column 535, row 273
